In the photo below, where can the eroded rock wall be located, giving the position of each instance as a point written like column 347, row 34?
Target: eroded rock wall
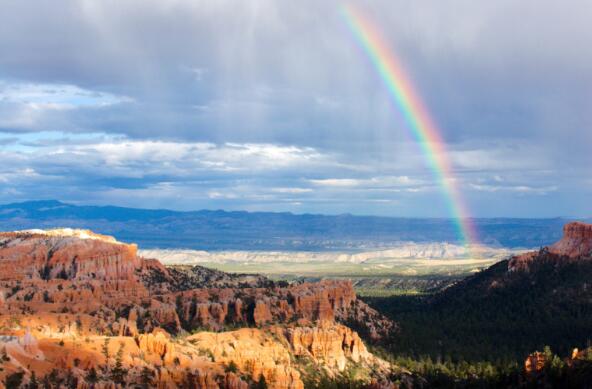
column 575, row 244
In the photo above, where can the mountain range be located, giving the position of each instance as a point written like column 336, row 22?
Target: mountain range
column 241, row 230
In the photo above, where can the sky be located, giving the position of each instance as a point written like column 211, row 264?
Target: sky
column 267, row 105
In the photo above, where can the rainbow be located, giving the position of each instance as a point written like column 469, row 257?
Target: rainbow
column 424, row 130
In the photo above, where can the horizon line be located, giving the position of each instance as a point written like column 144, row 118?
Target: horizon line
column 81, row 204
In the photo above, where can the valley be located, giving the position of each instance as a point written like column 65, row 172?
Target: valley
column 404, row 276
column 81, row 309
column 405, row 268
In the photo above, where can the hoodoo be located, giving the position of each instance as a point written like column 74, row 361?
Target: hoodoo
column 88, row 302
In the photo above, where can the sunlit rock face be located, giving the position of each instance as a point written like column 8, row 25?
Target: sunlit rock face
column 534, row 363
column 576, row 241
column 575, row 244
column 77, row 301
column 65, row 254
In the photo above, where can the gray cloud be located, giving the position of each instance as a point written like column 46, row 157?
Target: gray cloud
column 251, row 102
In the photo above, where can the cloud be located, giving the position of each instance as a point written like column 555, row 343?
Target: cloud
column 291, row 190
column 56, row 96
column 186, row 158
column 337, row 182
column 273, row 101
column 39, row 107
column 524, row 189
column 275, row 72
column 104, row 168
column 374, row 182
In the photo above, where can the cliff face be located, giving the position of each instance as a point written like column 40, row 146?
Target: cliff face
column 214, row 360
column 66, row 254
column 63, row 292
column 310, row 302
column 576, row 241
column 575, row 244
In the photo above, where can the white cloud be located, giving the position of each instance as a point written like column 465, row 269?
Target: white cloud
column 291, row 190
column 337, row 182
column 56, row 96
column 139, row 158
column 502, row 157
column 523, row 189
column 374, row 182
column 219, row 195
column 18, row 174
column 37, row 107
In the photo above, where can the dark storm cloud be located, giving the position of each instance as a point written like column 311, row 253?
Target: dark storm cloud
column 509, row 83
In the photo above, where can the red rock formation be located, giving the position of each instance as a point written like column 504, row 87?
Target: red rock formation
column 335, row 344
column 59, row 287
column 157, row 342
column 67, row 254
column 535, row 363
column 261, row 312
column 328, row 300
column 254, row 350
column 78, row 271
column 575, row 243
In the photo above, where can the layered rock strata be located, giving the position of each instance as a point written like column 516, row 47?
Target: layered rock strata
column 85, row 304
column 575, row 244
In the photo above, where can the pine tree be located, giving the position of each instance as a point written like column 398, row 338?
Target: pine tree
column 14, row 380
column 105, row 350
column 118, row 373
column 231, row 368
column 92, row 376
column 146, row 377
column 33, row 384
column 261, row 384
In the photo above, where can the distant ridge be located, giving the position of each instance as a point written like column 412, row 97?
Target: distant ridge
column 242, row 230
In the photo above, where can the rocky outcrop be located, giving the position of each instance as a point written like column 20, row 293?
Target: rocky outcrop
column 254, row 351
column 157, row 342
column 78, row 301
column 81, row 272
column 273, row 352
column 549, row 370
column 575, row 244
column 576, row 241
column 535, row 363
column 204, row 360
column 328, row 300
column 65, row 254
column 334, row 344
column 154, row 360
